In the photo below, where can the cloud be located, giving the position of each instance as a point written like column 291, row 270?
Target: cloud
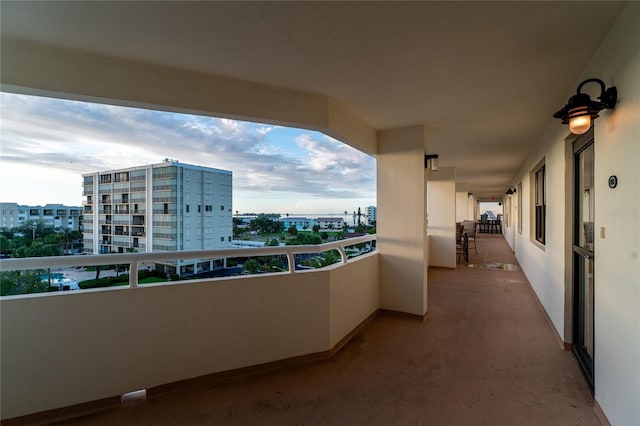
column 85, row 137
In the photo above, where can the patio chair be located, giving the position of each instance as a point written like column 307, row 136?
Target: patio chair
column 470, row 227
column 462, row 243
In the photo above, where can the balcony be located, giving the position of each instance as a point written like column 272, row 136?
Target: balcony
column 487, row 138
column 465, row 362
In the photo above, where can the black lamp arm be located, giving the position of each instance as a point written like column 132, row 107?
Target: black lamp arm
column 603, row 88
column 607, row 96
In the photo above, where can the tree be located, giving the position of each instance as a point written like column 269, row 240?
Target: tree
column 6, row 245
column 304, row 239
column 251, row 266
column 324, row 236
column 264, row 223
column 315, row 228
column 328, row 258
column 21, row 282
column 38, row 249
column 293, row 230
column 7, row 232
column 361, row 228
column 33, row 229
column 276, row 263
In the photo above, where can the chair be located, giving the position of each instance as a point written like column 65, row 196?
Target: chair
column 470, row 227
column 462, row 243
column 484, row 224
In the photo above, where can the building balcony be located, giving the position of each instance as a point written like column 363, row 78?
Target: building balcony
column 465, row 362
column 165, row 211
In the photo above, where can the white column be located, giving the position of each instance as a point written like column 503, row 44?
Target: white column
column 401, row 225
column 442, row 218
column 462, row 201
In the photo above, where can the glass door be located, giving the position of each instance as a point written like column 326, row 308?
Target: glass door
column 583, row 255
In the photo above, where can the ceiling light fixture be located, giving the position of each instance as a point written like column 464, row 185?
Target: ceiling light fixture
column 431, row 161
column 580, row 111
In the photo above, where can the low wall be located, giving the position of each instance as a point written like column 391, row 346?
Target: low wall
column 65, row 349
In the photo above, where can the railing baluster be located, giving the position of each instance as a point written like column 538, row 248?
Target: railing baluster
column 291, row 258
column 133, row 274
column 343, row 254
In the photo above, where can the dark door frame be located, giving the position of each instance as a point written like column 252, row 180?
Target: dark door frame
column 585, row 361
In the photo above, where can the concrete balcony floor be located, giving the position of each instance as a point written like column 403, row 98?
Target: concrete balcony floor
column 485, row 356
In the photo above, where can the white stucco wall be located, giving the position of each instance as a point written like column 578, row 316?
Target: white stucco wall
column 462, row 201
column 354, row 295
column 441, row 199
column 401, row 226
column 82, row 346
column 617, row 263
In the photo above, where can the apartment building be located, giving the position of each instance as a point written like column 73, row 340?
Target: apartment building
column 301, row 223
column 13, row 215
column 334, row 223
column 169, row 206
column 371, row 215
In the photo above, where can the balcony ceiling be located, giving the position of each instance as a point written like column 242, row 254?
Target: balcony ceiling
column 484, row 77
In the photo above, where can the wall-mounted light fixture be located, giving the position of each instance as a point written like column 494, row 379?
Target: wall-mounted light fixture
column 581, row 110
column 431, row 161
column 511, row 191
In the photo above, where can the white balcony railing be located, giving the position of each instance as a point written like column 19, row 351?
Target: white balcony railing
column 134, row 260
column 95, row 345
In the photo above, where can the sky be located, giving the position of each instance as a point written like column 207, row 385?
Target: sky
column 46, row 145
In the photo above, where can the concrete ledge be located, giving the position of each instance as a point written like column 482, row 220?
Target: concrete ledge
column 206, row 381
column 65, row 413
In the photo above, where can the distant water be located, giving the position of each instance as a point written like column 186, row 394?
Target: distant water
column 316, row 215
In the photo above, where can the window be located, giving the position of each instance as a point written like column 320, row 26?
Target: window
column 199, row 208
column 221, row 207
column 208, row 208
column 187, row 207
column 222, row 239
column 519, row 208
column 166, row 208
column 539, row 194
